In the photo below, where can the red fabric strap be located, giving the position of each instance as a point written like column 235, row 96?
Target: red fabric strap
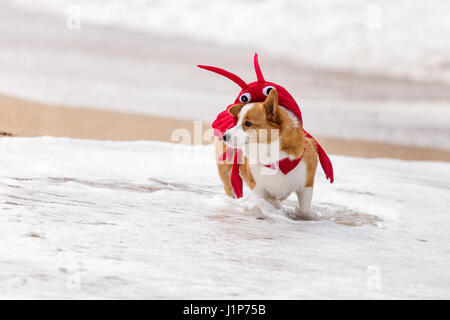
column 286, row 165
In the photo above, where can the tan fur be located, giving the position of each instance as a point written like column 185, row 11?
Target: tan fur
column 234, row 110
column 246, row 174
column 224, row 167
column 310, row 159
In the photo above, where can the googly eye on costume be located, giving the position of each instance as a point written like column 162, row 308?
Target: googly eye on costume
column 267, row 89
column 245, row 97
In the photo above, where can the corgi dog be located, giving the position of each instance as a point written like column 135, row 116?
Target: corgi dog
column 278, row 158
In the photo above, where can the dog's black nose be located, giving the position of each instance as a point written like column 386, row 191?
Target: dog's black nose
column 225, row 137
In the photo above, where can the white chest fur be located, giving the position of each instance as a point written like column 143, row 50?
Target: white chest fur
column 273, row 183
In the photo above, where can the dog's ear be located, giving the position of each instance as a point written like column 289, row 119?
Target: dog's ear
column 271, row 106
column 234, row 110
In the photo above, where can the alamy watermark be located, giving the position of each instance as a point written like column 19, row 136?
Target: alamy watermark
column 73, row 21
column 373, row 18
column 253, row 146
column 374, row 278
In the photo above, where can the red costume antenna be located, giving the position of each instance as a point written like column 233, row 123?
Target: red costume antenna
column 259, row 74
column 241, row 83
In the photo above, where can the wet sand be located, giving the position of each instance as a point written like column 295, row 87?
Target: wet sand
column 22, row 118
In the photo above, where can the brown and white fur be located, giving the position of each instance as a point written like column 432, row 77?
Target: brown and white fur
column 276, row 133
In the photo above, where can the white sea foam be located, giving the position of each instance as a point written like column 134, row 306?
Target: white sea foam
column 92, row 219
column 401, row 38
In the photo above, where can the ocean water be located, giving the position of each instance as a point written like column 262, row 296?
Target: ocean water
column 133, row 220
column 405, row 38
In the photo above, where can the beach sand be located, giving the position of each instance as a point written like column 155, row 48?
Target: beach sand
column 22, row 118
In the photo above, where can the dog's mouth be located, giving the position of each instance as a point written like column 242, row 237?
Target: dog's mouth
column 236, row 146
column 235, row 143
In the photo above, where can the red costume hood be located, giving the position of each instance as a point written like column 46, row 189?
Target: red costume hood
column 255, row 92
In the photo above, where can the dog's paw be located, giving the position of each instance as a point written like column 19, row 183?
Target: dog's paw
column 267, row 209
column 307, row 216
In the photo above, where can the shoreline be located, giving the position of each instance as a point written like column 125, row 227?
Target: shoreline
column 22, row 118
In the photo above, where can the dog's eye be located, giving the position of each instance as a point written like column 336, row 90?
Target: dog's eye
column 245, row 97
column 248, row 123
column 267, row 89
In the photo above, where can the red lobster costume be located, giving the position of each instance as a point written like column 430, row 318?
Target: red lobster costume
column 257, row 92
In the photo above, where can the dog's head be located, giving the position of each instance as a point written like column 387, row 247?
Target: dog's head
column 265, row 130
column 257, row 122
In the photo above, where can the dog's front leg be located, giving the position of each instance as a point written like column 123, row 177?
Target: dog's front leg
column 269, row 209
column 303, row 211
column 263, row 194
column 276, row 203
